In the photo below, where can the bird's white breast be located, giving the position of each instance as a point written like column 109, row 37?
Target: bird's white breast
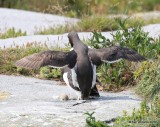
column 74, row 78
column 94, row 75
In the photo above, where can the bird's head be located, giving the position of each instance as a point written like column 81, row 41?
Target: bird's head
column 73, row 37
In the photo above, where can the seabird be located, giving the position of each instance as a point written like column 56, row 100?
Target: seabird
column 67, row 77
column 82, row 62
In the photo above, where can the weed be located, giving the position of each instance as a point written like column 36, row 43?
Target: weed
column 10, row 55
column 56, row 30
column 47, row 72
column 149, row 83
column 90, row 23
column 91, row 121
column 136, row 39
column 99, row 41
column 121, row 74
column 147, row 116
column 116, row 75
column 98, row 23
column 12, row 33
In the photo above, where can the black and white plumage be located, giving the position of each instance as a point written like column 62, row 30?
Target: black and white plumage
column 67, row 77
column 81, row 61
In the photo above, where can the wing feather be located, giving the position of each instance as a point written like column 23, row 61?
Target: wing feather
column 52, row 58
column 113, row 54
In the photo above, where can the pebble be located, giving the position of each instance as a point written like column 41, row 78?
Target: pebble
column 63, row 97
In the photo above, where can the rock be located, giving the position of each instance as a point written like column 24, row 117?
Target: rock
column 4, row 95
column 34, row 102
column 30, row 22
column 61, row 40
column 63, row 97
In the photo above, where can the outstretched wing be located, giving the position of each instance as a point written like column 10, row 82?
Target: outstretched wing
column 113, row 54
column 51, row 58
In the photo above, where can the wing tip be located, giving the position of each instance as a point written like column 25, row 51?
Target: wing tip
column 139, row 59
column 22, row 65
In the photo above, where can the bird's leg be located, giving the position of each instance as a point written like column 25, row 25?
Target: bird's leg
column 85, row 96
column 78, row 95
column 94, row 92
column 79, row 98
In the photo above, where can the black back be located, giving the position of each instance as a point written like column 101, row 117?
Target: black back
column 83, row 66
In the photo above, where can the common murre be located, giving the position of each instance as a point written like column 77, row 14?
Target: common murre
column 81, row 60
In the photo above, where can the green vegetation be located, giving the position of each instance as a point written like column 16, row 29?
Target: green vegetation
column 10, row 55
column 47, row 72
column 97, row 23
column 149, row 83
column 118, row 76
column 146, row 116
column 115, row 76
column 93, row 13
column 136, row 39
column 56, row 30
column 122, row 73
column 12, row 33
column 77, row 8
column 92, row 122
column 146, row 76
column 91, row 23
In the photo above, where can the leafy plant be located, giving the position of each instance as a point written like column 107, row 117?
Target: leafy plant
column 92, row 122
column 121, row 74
column 47, row 72
column 136, row 39
column 115, row 75
column 99, row 41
